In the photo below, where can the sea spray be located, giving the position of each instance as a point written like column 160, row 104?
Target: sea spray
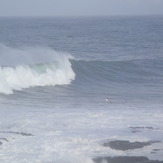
column 40, row 67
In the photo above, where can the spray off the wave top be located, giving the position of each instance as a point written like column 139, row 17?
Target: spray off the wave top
column 29, row 67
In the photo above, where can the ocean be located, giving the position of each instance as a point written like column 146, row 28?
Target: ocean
column 81, row 89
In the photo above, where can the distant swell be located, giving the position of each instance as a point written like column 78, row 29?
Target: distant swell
column 54, row 69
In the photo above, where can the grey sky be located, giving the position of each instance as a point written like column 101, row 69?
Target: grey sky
column 80, row 7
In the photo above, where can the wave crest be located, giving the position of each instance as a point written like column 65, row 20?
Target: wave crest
column 56, row 70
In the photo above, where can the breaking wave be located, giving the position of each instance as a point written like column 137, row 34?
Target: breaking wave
column 29, row 67
column 42, row 66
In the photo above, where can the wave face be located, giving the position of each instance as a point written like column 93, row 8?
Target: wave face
column 138, row 80
column 129, row 72
column 29, row 67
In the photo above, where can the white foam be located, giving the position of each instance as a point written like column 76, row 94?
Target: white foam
column 74, row 136
column 33, row 67
column 70, row 158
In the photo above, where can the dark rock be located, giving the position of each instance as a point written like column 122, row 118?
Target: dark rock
column 125, row 159
column 18, row 133
column 126, row 145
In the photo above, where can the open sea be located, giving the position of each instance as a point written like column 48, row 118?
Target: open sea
column 81, row 90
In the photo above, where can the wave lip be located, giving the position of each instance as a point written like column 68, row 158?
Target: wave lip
column 56, row 71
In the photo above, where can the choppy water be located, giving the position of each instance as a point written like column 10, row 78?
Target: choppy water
column 55, row 75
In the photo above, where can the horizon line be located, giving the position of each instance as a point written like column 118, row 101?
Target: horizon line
column 79, row 16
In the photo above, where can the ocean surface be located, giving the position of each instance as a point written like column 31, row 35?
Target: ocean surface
column 55, row 77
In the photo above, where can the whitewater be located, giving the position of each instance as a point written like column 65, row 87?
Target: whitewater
column 55, row 77
column 40, row 73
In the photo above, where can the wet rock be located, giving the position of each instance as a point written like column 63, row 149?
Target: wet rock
column 127, row 145
column 125, row 159
column 18, row 133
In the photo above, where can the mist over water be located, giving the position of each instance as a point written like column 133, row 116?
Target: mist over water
column 29, row 67
column 55, row 76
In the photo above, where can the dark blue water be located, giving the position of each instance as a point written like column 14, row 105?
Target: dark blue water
column 110, row 37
